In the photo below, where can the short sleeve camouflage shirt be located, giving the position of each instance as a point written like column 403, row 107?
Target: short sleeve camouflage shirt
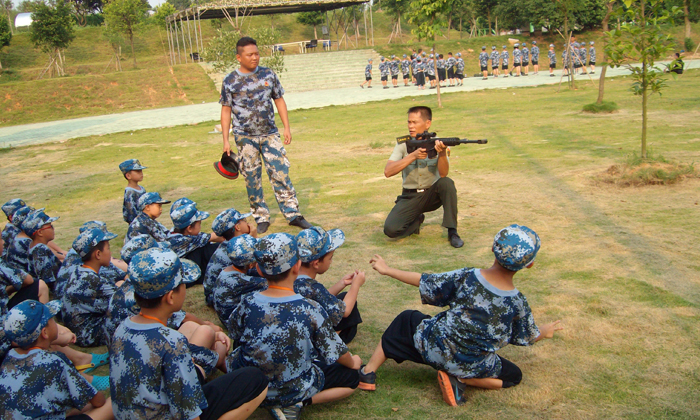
column 494, row 59
column 535, row 53
column 9, row 276
column 184, row 244
column 18, row 253
column 230, row 288
column 368, row 70
column 460, row 65
column 311, row 289
column 85, row 304
column 505, row 57
column 130, row 209
column 552, row 57
column 250, row 97
column 282, row 337
column 517, row 56
column 591, row 54
column 152, row 375
column 8, row 235
column 43, row 263
column 41, row 384
column 143, row 224
column 481, row 319
column 405, row 66
column 526, row 55
column 218, row 262
column 483, row 59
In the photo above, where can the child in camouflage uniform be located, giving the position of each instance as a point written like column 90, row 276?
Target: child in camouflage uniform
column 228, row 224
column 289, row 338
column 420, row 74
column 152, row 372
column 583, row 56
column 17, row 253
column 150, row 208
column 494, row 61
column 394, row 66
column 526, row 59
column 38, row 383
column 368, row 75
column 384, row 70
column 133, row 172
column 483, row 63
column 517, row 59
column 87, row 294
column 43, row 263
column 187, row 238
column 406, row 70
column 316, row 249
column 20, row 285
column 535, row 50
column 236, row 281
column 486, row 313
column 552, row 60
column 430, row 71
column 459, row 72
column 442, row 72
column 505, row 58
column 10, row 230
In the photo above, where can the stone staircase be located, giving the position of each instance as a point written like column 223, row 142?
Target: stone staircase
column 320, row 70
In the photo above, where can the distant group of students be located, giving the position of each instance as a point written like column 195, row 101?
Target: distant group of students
column 286, row 341
column 434, row 68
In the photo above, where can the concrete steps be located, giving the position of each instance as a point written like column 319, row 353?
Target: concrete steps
column 319, row 71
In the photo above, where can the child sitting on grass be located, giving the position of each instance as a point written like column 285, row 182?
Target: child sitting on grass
column 486, row 313
column 10, row 230
column 228, row 224
column 187, row 239
column 38, row 383
column 234, row 282
column 152, row 374
column 20, row 285
column 87, row 294
column 133, row 173
column 17, row 253
column 289, row 337
column 150, row 208
column 43, row 263
column 316, row 249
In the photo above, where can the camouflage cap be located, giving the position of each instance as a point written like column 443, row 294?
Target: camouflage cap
column 504, row 47
column 516, row 45
column 459, row 54
column 93, row 224
column 493, row 47
column 551, row 45
column 35, row 221
column 151, row 198
column 185, row 215
column 592, row 42
column 226, row 220
column 140, row 243
column 130, row 165
column 432, row 56
column 534, row 42
column 89, row 239
column 314, row 243
column 393, row 57
column 155, row 272
column 381, row 58
column 369, row 61
column 276, row 253
column 241, row 249
column 21, row 214
column 179, row 203
column 25, row 321
column 515, row 247
column 483, row 48
column 423, row 54
column 12, row 206
column 404, row 56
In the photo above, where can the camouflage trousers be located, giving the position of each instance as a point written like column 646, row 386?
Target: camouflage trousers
column 252, row 151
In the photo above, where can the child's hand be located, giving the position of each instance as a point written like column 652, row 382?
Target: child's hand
column 547, row 331
column 223, row 339
column 359, row 278
column 213, row 326
column 347, row 280
column 379, row 264
column 356, row 362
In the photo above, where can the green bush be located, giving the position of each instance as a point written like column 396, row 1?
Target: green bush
column 689, row 45
column 604, row 108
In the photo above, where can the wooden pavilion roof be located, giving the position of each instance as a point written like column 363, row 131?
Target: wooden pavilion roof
column 218, row 9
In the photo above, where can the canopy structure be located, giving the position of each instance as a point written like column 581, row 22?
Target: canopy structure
column 184, row 27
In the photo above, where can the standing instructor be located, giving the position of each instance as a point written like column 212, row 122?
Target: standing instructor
column 246, row 100
column 426, row 186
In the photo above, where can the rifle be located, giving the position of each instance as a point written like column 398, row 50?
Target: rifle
column 427, row 140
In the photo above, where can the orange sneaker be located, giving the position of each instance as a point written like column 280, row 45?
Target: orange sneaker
column 452, row 389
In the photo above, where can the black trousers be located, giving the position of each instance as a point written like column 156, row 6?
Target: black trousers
column 201, row 257
column 232, row 390
column 347, row 327
column 403, row 218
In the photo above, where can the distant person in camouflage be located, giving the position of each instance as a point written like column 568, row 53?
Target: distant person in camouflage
column 485, row 313
column 368, row 75
column 583, row 56
column 483, row 63
column 419, row 73
column 526, row 59
column 442, row 73
column 517, row 59
column 395, row 66
column 505, row 58
column 591, row 58
column 384, row 71
column 459, row 69
column 450, row 63
column 246, row 100
column 430, row 71
column 552, row 60
column 406, row 70
column 535, row 50
column 495, row 58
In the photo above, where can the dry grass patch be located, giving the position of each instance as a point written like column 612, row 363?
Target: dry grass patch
column 647, row 173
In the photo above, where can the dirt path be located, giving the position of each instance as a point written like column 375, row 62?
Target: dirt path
column 53, row 131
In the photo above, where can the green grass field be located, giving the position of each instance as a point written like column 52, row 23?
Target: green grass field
column 619, row 266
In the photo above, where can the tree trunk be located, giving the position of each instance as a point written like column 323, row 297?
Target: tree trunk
column 315, row 33
column 644, row 119
column 460, row 27
column 133, row 54
column 439, row 99
column 496, row 27
column 686, row 15
column 606, row 28
column 0, row 66
column 449, row 25
column 488, row 16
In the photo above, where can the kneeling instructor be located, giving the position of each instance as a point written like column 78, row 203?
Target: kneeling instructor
column 426, row 186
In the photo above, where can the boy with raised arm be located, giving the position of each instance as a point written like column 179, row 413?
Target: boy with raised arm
column 486, row 313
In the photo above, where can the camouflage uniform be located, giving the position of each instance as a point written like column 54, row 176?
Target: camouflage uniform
column 18, row 253
column 184, row 244
column 144, row 225
column 152, row 375
column 583, row 55
column 450, row 64
column 9, row 276
column 483, row 60
column 282, row 337
column 384, row 69
column 405, row 68
column 495, row 58
column 591, row 55
column 535, row 54
column 8, row 235
column 85, row 303
column 430, row 67
column 43, row 264
column 460, row 66
column 231, row 287
column 395, row 65
column 130, row 209
column 311, row 289
column 250, row 97
column 368, row 71
column 217, row 263
column 41, row 384
column 71, row 262
column 517, row 56
column 552, row 57
column 464, row 339
column 505, row 59
column 526, row 55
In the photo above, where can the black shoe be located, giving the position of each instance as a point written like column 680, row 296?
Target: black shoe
column 456, row 241
column 262, row 227
column 369, row 87
column 299, row 221
column 368, row 381
column 421, row 219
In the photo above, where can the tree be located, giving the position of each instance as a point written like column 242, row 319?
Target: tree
column 395, row 9
column 221, row 51
column 162, row 12
column 609, row 4
column 427, row 16
column 5, row 35
column 126, row 17
column 180, row 4
column 28, row 6
column 642, row 40
column 52, row 31
column 83, row 8
column 311, row 19
column 7, row 6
